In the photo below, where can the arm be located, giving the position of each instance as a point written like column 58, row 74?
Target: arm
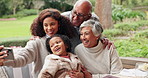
column 76, row 74
column 86, row 73
column 106, row 43
column 24, row 55
column 116, row 64
column 34, row 38
column 49, row 69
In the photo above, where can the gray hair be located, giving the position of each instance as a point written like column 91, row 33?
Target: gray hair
column 95, row 25
column 82, row 1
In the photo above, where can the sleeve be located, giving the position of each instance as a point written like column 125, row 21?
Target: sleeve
column 24, row 55
column 116, row 64
column 76, row 50
column 49, row 69
column 99, row 75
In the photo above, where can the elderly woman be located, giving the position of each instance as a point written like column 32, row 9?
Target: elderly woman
column 99, row 61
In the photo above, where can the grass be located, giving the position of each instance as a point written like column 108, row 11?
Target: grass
column 114, row 32
column 16, row 28
column 130, row 39
column 131, row 26
column 133, row 47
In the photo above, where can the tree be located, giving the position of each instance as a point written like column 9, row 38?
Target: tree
column 28, row 4
column 4, row 7
column 62, row 5
column 15, row 4
column 103, row 10
column 38, row 4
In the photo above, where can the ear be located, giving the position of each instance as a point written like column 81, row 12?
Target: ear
column 66, row 46
column 98, row 37
column 58, row 27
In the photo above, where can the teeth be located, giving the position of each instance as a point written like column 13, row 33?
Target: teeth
column 50, row 32
column 85, row 42
column 57, row 49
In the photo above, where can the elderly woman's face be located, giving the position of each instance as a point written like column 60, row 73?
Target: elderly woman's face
column 87, row 37
column 50, row 26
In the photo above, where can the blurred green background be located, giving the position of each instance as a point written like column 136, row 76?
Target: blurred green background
column 129, row 18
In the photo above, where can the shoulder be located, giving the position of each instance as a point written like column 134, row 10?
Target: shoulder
column 72, row 55
column 67, row 14
column 36, row 41
column 51, row 56
column 112, row 51
column 78, row 48
column 80, row 45
column 94, row 17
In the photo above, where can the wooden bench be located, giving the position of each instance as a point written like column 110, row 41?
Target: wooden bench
column 130, row 62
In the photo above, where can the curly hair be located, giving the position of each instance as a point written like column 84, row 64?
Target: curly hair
column 65, row 28
column 65, row 40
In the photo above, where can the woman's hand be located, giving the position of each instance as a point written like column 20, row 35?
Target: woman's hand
column 2, row 55
column 1, row 47
column 86, row 73
column 107, row 42
column 76, row 74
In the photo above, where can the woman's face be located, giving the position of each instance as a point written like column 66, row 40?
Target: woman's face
column 87, row 37
column 57, row 46
column 50, row 26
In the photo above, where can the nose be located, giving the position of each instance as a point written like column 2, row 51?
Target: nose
column 49, row 27
column 75, row 17
column 55, row 45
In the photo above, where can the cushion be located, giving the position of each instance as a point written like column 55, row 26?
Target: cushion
column 21, row 72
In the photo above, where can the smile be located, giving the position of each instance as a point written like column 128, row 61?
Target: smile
column 57, row 49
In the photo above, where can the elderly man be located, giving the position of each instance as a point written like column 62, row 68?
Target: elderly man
column 98, row 61
column 82, row 11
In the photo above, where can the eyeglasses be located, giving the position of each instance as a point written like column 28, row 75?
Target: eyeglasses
column 74, row 13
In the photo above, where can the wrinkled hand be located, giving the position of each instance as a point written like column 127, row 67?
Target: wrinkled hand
column 2, row 55
column 75, row 74
column 107, row 42
column 34, row 37
column 1, row 47
column 86, row 73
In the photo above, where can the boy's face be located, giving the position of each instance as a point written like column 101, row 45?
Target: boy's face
column 57, row 46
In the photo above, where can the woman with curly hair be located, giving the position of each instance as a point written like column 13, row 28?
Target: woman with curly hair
column 65, row 27
column 48, row 23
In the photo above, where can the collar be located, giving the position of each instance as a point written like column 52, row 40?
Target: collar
column 47, row 36
column 67, row 56
column 96, row 49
